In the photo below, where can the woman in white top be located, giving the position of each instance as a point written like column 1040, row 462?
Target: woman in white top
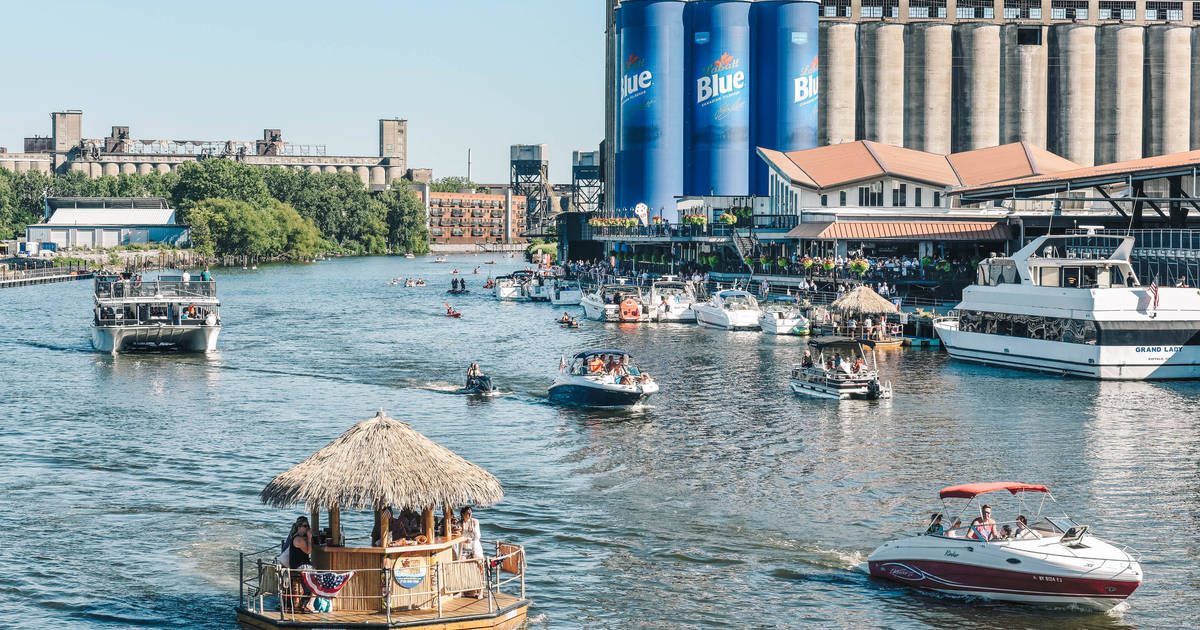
column 472, row 546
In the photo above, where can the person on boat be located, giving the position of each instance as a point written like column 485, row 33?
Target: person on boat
column 397, row 529
column 954, row 532
column 206, row 275
column 450, row 312
column 1021, row 528
column 565, row 319
column 472, row 546
column 300, row 560
column 935, row 525
column 858, row 364
column 612, row 365
column 807, row 361
column 596, row 364
column 473, row 372
column 867, row 327
column 664, row 306
column 1006, row 532
column 983, row 527
column 476, row 270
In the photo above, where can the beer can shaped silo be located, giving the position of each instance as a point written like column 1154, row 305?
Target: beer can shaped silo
column 784, row 63
column 650, row 137
column 716, row 128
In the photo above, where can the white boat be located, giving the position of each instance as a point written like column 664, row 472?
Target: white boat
column 410, row 255
column 601, row 378
column 1091, row 317
column 730, row 309
column 566, row 293
column 839, row 371
column 1046, row 559
column 540, row 287
column 511, row 288
column 671, row 300
column 439, row 259
column 615, row 303
column 783, row 320
column 166, row 312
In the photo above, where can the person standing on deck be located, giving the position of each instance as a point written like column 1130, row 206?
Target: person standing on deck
column 206, row 275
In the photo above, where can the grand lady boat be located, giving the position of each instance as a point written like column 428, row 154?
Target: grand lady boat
column 422, row 579
column 166, row 312
column 1050, row 560
column 1091, row 317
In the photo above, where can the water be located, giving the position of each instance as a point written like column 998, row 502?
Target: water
column 130, row 483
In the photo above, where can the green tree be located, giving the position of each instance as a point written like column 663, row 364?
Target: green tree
column 218, row 178
column 451, row 184
column 408, row 228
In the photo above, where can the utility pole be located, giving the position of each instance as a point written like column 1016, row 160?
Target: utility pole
column 468, row 164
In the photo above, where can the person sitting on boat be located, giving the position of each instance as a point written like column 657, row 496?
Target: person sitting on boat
column 1006, row 532
column 299, row 560
column 612, row 364
column 596, row 365
column 565, row 319
column 954, row 532
column 664, row 306
column 807, row 361
column 935, row 525
column 858, row 365
column 983, row 527
column 473, row 372
column 397, row 529
column 1021, row 528
column 450, row 312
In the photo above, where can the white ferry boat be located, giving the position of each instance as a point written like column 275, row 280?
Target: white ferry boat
column 165, row 312
column 1041, row 310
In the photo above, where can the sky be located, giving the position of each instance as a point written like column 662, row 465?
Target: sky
column 466, row 74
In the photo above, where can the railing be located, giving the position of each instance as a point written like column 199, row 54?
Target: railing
column 42, row 272
column 265, row 588
column 155, row 288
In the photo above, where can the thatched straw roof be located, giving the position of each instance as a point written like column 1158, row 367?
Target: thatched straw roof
column 863, row 301
column 380, row 462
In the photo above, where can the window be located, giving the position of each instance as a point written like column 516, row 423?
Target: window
column 1081, row 331
column 975, row 9
column 835, row 8
column 937, row 198
column 927, row 8
column 1069, row 10
column 1022, row 9
column 1117, row 10
column 1196, row 11
column 1169, row 11
column 871, row 196
column 903, row 194
column 880, row 8
column 917, row 196
column 842, row 198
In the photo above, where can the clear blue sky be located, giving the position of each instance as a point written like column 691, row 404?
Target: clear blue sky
column 465, row 73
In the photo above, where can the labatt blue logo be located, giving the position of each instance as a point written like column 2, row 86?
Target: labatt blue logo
column 724, row 77
column 807, row 84
column 636, row 79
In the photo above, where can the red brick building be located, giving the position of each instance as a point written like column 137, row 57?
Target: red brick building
column 467, row 219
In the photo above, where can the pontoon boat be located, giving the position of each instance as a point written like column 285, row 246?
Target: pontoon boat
column 840, row 370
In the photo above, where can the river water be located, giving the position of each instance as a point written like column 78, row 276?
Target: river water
column 130, row 483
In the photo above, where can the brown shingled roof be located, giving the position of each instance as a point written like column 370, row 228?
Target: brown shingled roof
column 903, row 231
column 1130, row 167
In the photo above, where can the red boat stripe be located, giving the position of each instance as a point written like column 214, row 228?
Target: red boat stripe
column 965, row 577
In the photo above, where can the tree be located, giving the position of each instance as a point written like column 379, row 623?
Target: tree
column 451, row 184
column 408, row 229
column 218, row 178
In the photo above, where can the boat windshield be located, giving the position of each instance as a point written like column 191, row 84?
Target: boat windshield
column 671, row 288
column 737, row 301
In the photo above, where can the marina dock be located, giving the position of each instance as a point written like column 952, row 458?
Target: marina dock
column 48, row 275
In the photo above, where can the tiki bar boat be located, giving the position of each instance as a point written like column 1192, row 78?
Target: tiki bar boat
column 391, row 582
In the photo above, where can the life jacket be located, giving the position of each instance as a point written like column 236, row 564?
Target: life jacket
column 595, row 365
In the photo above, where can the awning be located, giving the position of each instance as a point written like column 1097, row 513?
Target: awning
column 902, row 231
column 971, row 490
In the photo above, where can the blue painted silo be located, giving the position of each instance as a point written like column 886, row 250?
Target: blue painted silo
column 784, row 63
column 717, row 98
column 650, row 127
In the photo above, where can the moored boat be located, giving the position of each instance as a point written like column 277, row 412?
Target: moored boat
column 783, row 320
column 601, row 378
column 1044, row 559
column 566, row 293
column 166, row 312
column 671, row 300
column 730, row 309
column 615, row 303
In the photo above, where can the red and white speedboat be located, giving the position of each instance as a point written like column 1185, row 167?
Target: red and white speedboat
column 1050, row 560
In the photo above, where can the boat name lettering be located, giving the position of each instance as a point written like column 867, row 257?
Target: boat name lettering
column 951, row 554
column 1158, row 349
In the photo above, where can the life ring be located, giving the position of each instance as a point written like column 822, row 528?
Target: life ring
column 631, row 311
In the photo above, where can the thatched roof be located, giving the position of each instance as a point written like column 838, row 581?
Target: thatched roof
column 863, row 301
column 380, row 462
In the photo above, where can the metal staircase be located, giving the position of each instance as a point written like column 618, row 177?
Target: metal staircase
column 745, row 243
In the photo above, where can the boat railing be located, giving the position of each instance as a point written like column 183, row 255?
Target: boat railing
column 964, row 533
column 265, row 587
column 155, row 288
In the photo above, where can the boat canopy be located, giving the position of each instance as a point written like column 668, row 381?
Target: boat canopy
column 833, row 340
column 971, row 490
column 590, row 353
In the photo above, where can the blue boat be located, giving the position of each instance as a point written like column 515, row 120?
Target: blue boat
column 601, row 378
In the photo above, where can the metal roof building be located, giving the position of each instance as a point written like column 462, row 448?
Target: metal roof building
column 97, row 223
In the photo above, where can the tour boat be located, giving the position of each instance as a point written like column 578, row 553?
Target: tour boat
column 615, row 303
column 783, row 320
column 566, row 293
column 838, row 372
column 586, row 381
column 1042, row 310
column 671, row 300
column 166, row 312
column 1048, row 559
column 730, row 309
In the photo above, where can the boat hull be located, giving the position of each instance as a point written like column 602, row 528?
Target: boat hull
column 677, row 315
column 792, row 326
column 1074, row 359
column 1003, row 584
column 582, row 395
column 508, row 293
column 566, row 298
column 726, row 320
column 117, row 339
column 598, row 311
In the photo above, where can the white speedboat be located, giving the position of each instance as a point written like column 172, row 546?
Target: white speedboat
column 540, row 287
column 162, row 313
column 615, row 303
column 840, row 370
column 566, row 293
column 1045, row 559
column 671, row 300
column 439, row 259
column 513, row 287
column 783, row 320
column 601, row 378
column 730, row 309
column 1091, row 317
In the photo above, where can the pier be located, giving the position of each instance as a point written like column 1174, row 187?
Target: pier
column 47, row 275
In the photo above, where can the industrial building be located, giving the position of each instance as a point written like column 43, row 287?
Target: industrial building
column 103, row 222
column 67, row 149
column 1093, row 81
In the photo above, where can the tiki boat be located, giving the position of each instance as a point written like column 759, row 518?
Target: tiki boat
column 391, row 579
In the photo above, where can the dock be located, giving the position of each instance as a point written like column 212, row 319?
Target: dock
column 47, row 275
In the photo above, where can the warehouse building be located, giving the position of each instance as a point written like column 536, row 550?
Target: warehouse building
column 103, row 222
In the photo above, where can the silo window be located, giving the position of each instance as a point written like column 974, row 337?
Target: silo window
column 975, row 9
column 835, row 8
column 1168, row 11
column 1069, row 10
column 1117, row 10
column 880, row 8
column 1029, row 37
column 927, row 9
column 1022, row 9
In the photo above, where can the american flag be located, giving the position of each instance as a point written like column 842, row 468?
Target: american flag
column 326, row 583
column 1154, row 293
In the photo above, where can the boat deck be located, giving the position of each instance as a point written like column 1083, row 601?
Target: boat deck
column 458, row 614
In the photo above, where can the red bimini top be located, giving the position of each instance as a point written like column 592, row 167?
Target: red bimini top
column 971, row 490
